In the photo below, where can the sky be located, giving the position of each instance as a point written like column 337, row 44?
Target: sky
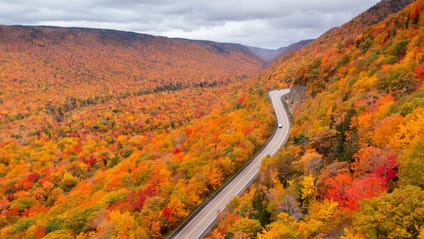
column 261, row 23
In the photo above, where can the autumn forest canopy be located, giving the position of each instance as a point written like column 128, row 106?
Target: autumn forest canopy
column 109, row 134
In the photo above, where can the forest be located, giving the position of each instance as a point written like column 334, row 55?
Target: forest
column 109, row 134
column 354, row 166
column 118, row 135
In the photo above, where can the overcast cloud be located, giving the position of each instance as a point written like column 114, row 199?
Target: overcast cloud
column 264, row 23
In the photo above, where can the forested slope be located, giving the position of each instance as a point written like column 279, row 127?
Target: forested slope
column 354, row 166
column 118, row 135
column 40, row 65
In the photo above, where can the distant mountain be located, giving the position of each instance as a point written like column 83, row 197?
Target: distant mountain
column 270, row 55
column 293, row 47
column 52, row 62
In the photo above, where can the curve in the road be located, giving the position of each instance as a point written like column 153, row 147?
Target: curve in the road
column 203, row 219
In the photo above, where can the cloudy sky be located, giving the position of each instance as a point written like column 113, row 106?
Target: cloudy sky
column 264, row 23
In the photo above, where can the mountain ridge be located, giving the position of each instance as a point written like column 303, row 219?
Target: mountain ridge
column 266, row 55
column 96, row 59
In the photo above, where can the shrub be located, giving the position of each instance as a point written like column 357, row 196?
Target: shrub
column 22, row 225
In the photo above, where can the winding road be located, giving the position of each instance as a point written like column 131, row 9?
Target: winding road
column 203, row 219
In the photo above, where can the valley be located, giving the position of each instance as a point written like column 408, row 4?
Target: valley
column 114, row 134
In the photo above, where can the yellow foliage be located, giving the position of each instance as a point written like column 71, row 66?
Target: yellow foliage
column 411, row 128
column 60, row 234
column 384, row 131
column 350, row 235
column 124, row 225
column 421, row 236
column 308, row 189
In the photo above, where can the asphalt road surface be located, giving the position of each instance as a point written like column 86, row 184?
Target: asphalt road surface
column 202, row 222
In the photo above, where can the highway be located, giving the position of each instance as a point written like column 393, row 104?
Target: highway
column 203, row 220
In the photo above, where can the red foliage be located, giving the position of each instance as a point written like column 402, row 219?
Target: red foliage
column 167, row 212
column 13, row 211
column 419, row 70
column 248, row 131
column 416, row 14
column 33, row 177
column 77, row 148
column 338, row 189
column 188, row 131
column 242, row 99
column 368, row 186
column 3, row 203
column 349, row 192
column 388, row 171
column 26, row 212
column 24, row 184
column 124, row 205
column 177, row 151
column 137, row 200
column 91, row 161
column 40, row 232
column 242, row 145
column 116, row 134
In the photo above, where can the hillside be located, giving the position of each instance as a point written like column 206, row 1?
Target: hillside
column 48, row 63
column 115, row 135
column 354, row 165
column 338, row 37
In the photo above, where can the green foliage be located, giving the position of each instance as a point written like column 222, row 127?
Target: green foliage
column 114, row 197
column 300, row 139
column 345, row 147
column 68, row 182
column 229, row 235
column 247, row 226
column 397, row 81
column 314, row 73
column 392, row 215
column 260, row 203
column 22, row 225
column 126, row 152
column 365, row 45
column 316, row 63
column 390, row 59
column 54, row 224
column 411, row 165
column 400, row 48
column 343, row 61
column 22, row 203
column 114, row 160
column 367, row 62
column 408, row 104
column 78, row 219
